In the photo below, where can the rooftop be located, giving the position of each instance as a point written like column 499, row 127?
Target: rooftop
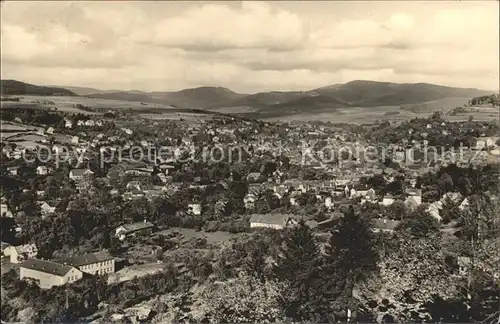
column 276, row 219
column 54, row 268
column 387, row 224
column 89, row 258
column 137, row 226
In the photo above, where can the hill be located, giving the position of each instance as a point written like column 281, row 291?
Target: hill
column 262, row 99
column 196, row 98
column 13, row 87
column 83, row 91
column 362, row 94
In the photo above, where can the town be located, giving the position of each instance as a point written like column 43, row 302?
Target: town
column 249, row 162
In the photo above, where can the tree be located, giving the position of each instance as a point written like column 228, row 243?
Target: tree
column 419, row 225
column 297, row 267
column 350, row 257
column 413, row 275
column 7, row 229
column 243, row 299
column 445, row 183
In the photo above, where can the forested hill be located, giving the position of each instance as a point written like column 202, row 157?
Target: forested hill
column 13, row 87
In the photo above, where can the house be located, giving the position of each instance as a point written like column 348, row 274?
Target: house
column 131, row 185
column 49, row 274
column 90, row 123
column 328, row 202
column 384, row 225
column 249, row 201
column 434, row 210
column 128, row 230
column 127, row 131
column 3, row 246
column 78, row 174
column 416, row 194
column 253, row 176
column 96, row 263
column 68, row 123
column 194, row 209
column 5, row 211
column 74, row 140
column 464, row 204
column 388, row 200
column 133, row 194
column 21, row 252
column 167, row 168
column 454, row 197
column 47, row 209
column 42, row 170
column 486, row 142
column 13, row 170
column 274, row 221
column 464, row 264
column 50, row 130
column 59, row 149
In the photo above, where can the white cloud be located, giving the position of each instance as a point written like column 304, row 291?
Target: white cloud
column 214, row 26
column 249, row 46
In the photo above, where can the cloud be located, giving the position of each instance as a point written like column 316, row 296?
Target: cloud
column 248, row 46
column 214, row 27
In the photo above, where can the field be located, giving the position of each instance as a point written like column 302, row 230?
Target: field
column 14, row 131
column 389, row 113
column 67, row 104
column 358, row 115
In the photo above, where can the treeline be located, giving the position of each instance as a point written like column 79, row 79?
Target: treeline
column 491, row 99
column 33, row 116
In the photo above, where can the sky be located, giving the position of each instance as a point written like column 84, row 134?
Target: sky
column 249, row 46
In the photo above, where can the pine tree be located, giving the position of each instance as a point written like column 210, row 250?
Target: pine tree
column 298, row 268
column 350, row 257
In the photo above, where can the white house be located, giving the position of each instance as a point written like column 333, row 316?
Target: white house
column 124, row 231
column 13, row 170
column 5, row 211
column 249, row 201
column 274, row 221
column 21, row 253
column 47, row 209
column 194, row 209
column 434, row 210
column 42, row 170
column 328, row 202
column 464, row 204
column 416, row 194
column 68, row 123
column 77, row 174
column 388, row 200
column 486, row 142
column 50, row 130
column 74, row 140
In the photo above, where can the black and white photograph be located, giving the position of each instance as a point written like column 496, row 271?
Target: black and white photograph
column 176, row 162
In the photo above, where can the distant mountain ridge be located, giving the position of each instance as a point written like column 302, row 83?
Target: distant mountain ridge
column 197, row 98
column 358, row 93
column 13, row 87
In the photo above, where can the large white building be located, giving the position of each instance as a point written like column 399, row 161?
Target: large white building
column 274, row 221
column 96, row 263
column 48, row 274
